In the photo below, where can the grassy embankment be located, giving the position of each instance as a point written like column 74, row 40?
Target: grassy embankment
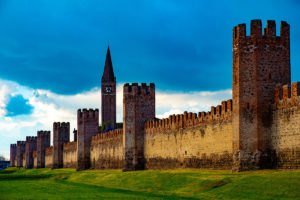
column 168, row 184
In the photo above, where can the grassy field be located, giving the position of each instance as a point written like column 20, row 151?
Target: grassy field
column 168, row 184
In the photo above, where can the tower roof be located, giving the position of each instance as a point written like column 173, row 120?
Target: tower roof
column 108, row 74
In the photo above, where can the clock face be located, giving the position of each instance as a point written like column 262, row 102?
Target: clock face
column 108, row 89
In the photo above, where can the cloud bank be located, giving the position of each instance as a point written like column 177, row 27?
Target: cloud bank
column 24, row 111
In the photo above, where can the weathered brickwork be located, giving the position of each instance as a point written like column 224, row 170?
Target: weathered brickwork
column 259, row 128
column 24, row 159
column 285, row 128
column 49, row 157
column 107, row 150
column 138, row 106
column 13, row 154
column 70, row 155
column 61, row 135
column 191, row 140
column 43, row 142
column 260, row 61
column 20, row 151
column 34, row 154
column 87, row 123
column 30, row 146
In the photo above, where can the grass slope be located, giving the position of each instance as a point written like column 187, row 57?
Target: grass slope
column 168, row 184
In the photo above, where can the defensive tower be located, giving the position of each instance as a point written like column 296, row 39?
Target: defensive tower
column 43, row 141
column 13, row 153
column 61, row 135
column 20, row 151
column 108, row 92
column 260, row 61
column 138, row 107
column 87, row 127
column 29, row 148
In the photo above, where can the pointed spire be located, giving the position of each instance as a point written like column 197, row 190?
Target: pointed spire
column 108, row 74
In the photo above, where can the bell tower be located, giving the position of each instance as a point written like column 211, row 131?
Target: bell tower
column 108, row 92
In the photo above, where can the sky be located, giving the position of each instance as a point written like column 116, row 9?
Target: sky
column 52, row 54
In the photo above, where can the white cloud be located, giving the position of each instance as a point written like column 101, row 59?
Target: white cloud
column 49, row 107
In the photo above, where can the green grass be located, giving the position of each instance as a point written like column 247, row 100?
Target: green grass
column 167, row 184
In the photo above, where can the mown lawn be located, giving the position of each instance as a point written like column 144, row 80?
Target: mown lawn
column 167, row 184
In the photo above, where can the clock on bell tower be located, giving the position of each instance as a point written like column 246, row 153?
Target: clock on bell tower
column 108, row 92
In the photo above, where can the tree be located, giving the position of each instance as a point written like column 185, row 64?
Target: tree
column 2, row 158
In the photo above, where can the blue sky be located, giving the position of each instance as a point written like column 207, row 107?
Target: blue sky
column 53, row 51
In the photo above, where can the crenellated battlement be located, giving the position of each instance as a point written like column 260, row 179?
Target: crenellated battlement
column 113, row 135
column 239, row 31
column 21, row 143
column 143, row 89
column 61, row 125
column 31, row 138
column 287, row 96
column 42, row 134
column 257, row 129
column 88, row 114
column 188, row 119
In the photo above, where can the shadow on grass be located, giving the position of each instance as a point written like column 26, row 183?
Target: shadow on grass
column 8, row 171
column 137, row 194
column 23, row 177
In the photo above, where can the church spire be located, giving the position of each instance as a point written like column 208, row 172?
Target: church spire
column 108, row 74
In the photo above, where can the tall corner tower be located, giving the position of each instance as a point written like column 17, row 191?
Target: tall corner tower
column 260, row 61
column 108, row 92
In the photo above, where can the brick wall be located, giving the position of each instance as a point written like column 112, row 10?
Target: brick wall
column 191, row 140
column 107, row 150
column 34, row 154
column 70, row 155
column 285, row 129
column 49, row 157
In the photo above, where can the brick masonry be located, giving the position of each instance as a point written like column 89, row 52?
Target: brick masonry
column 87, row 123
column 138, row 106
column 13, row 154
column 259, row 128
column 30, row 146
column 61, row 135
column 20, row 151
column 43, row 142
column 70, row 155
column 107, row 150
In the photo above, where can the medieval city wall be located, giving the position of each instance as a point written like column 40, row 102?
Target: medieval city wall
column 34, row 155
column 24, row 159
column 107, row 151
column 191, row 140
column 70, row 155
column 285, row 129
column 49, row 157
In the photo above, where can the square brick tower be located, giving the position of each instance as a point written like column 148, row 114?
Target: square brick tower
column 61, row 135
column 43, row 141
column 260, row 61
column 138, row 107
column 20, row 151
column 108, row 92
column 13, row 153
column 29, row 148
column 87, row 127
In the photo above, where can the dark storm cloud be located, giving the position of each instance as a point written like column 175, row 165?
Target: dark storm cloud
column 61, row 45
